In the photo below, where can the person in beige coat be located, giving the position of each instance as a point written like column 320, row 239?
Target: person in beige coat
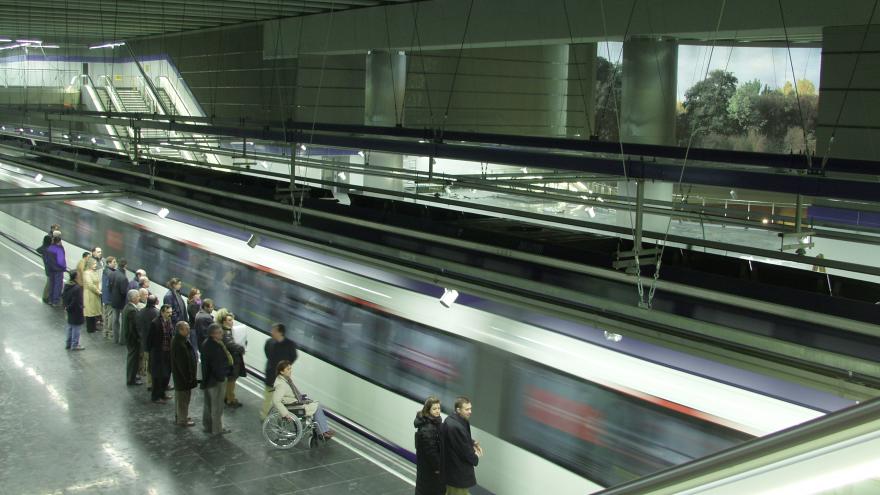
column 286, row 393
column 91, row 294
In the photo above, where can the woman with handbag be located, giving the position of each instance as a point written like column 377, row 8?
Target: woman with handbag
column 286, row 394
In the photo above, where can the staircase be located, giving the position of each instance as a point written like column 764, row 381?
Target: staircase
column 121, row 131
column 166, row 102
column 134, row 102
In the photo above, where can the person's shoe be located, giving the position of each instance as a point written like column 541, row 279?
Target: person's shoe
column 224, row 431
column 67, row 348
column 160, row 401
column 78, row 348
column 170, row 387
column 167, row 397
column 328, row 435
column 189, row 423
column 138, row 381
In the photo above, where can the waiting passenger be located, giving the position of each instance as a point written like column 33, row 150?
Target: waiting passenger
column 106, row 295
column 145, row 319
column 142, row 298
column 286, row 394
column 73, row 304
column 227, row 321
column 98, row 255
column 81, row 267
column 429, row 449
column 132, row 339
column 91, row 294
column 119, row 297
column 144, row 283
column 174, row 299
column 461, row 452
column 55, row 261
column 159, row 346
column 47, row 241
column 193, row 306
column 204, row 319
column 135, row 282
column 278, row 348
column 183, row 368
column 216, row 367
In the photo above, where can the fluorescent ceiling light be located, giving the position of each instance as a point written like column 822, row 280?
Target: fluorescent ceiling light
column 36, row 42
column 49, row 46
column 341, row 175
column 448, row 298
column 524, row 170
column 7, row 47
column 263, row 164
column 38, row 177
column 163, row 212
column 108, row 45
column 94, row 141
column 5, row 40
column 361, row 154
column 303, row 147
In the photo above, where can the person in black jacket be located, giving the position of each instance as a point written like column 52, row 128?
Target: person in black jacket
column 278, row 348
column 216, row 367
column 118, row 298
column 143, row 321
column 429, row 449
column 132, row 339
column 72, row 298
column 159, row 345
column 183, row 368
column 462, row 453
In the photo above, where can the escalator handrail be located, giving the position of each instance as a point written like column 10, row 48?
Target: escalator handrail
column 751, row 450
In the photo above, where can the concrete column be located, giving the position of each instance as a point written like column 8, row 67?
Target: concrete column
column 647, row 112
column 385, row 88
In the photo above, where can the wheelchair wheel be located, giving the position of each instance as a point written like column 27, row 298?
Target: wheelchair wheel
column 281, row 433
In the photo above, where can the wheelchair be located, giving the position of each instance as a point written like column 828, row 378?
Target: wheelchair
column 285, row 434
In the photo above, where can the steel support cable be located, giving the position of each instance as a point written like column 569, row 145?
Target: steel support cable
column 417, row 41
column 297, row 211
column 580, row 76
column 797, row 95
column 467, row 22
column 852, row 75
column 398, row 113
column 653, row 287
column 616, row 104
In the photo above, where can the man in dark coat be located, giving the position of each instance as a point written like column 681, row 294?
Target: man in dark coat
column 204, row 318
column 216, row 367
column 174, row 299
column 159, row 346
column 55, row 261
column 72, row 297
column 462, row 453
column 132, row 339
column 118, row 297
column 278, row 348
column 183, row 368
column 144, row 321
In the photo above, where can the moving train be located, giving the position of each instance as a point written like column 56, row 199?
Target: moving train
column 547, row 406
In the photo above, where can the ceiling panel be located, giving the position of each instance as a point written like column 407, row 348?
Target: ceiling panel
column 84, row 21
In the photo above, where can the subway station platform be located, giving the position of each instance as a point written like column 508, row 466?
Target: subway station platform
column 77, row 428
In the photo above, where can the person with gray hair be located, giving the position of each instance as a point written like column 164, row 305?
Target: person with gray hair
column 183, row 370
column 142, row 303
column 216, row 368
column 131, row 337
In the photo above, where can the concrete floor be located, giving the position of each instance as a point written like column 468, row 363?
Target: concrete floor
column 70, row 425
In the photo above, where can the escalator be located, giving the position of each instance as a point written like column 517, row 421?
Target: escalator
column 838, row 454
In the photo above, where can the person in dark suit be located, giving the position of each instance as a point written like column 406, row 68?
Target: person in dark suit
column 216, row 368
column 144, row 321
column 278, row 348
column 183, row 368
column 118, row 298
column 174, row 299
column 72, row 297
column 203, row 319
column 461, row 452
column 132, row 339
column 159, row 346
column 429, row 449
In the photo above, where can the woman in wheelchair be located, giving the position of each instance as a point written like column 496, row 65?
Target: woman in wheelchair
column 287, row 396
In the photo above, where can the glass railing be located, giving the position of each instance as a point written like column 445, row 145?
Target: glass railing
column 838, row 454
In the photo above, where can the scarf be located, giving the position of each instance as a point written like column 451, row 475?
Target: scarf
column 292, row 387
column 228, row 355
